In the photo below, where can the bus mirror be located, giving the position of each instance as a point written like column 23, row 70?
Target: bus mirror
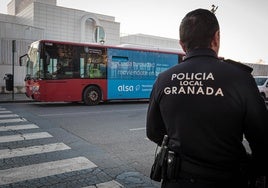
column 47, row 58
column 24, row 59
column 27, row 77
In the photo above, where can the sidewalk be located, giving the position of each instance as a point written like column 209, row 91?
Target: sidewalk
column 18, row 97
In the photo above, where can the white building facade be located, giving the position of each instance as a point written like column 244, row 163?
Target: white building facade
column 31, row 20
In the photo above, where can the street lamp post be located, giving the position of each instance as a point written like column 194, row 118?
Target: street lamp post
column 13, row 64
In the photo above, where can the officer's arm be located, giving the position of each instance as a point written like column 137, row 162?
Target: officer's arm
column 155, row 128
column 256, row 129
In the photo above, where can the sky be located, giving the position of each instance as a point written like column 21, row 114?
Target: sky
column 243, row 24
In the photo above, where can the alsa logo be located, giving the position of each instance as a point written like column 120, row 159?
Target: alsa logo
column 125, row 88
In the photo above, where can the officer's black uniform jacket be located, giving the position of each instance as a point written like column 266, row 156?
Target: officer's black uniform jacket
column 205, row 106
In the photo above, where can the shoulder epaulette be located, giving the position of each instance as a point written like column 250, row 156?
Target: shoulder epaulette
column 239, row 65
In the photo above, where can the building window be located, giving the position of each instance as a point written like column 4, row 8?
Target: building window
column 99, row 35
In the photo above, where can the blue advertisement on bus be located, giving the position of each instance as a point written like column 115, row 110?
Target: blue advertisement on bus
column 131, row 73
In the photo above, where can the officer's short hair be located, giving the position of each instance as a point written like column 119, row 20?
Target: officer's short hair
column 198, row 28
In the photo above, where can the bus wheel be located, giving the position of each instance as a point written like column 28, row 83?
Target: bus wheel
column 92, row 95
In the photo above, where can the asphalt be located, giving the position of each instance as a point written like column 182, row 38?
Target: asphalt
column 133, row 178
column 123, row 174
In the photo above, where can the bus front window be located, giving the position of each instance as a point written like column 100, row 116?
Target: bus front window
column 34, row 66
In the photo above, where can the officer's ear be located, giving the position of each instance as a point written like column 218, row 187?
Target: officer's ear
column 215, row 43
column 183, row 46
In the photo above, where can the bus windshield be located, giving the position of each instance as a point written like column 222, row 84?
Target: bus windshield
column 34, row 65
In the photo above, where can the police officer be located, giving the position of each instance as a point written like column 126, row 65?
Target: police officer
column 207, row 107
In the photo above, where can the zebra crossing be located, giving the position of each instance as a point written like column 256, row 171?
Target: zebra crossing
column 21, row 144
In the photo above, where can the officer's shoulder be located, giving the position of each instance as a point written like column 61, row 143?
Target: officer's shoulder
column 239, row 65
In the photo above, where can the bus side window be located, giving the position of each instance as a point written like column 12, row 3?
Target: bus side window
column 94, row 71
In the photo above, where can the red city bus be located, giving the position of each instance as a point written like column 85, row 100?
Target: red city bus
column 90, row 73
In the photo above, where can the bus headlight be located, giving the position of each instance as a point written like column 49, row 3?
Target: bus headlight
column 35, row 88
